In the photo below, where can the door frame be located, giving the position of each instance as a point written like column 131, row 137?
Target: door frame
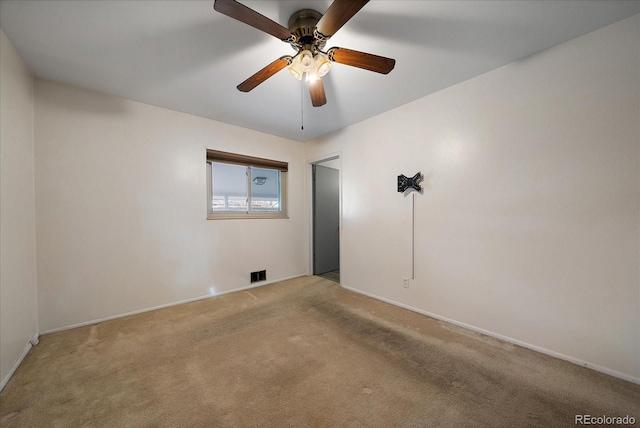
column 309, row 177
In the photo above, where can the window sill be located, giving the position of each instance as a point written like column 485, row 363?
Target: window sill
column 228, row 216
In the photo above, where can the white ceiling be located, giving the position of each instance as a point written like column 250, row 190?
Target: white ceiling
column 184, row 56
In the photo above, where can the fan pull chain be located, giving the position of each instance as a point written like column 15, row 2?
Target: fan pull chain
column 301, row 107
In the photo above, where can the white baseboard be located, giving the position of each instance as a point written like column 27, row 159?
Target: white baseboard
column 35, row 339
column 549, row 352
column 24, row 353
column 181, row 302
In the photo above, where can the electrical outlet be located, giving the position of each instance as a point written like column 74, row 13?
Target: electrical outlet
column 405, row 282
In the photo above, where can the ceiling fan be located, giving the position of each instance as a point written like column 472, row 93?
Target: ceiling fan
column 307, row 34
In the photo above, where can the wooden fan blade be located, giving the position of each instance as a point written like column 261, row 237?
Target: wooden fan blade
column 249, row 16
column 367, row 61
column 337, row 15
column 316, row 89
column 264, row 74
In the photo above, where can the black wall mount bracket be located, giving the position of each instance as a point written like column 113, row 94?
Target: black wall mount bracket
column 408, row 183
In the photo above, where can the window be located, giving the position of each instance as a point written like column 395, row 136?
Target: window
column 241, row 186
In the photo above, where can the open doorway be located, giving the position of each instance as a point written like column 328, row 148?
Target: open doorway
column 326, row 218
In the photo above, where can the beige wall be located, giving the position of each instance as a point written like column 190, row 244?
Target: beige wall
column 529, row 225
column 121, row 208
column 18, row 310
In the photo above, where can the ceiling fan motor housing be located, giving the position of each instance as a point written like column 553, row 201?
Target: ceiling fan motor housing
column 302, row 24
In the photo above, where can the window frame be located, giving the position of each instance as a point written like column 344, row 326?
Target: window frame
column 249, row 162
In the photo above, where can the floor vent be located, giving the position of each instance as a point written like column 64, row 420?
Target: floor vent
column 260, row 275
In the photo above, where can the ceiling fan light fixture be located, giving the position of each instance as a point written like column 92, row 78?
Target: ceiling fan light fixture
column 307, row 33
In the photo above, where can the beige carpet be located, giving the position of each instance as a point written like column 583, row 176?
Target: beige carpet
column 333, row 275
column 299, row 353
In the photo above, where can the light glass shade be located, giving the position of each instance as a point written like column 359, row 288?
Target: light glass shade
column 294, row 72
column 322, row 65
column 306, row 61
column 311, row 77
column 295, row 69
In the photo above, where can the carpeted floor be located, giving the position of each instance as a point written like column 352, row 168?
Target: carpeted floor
column 333, row 275
column 299, row 353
